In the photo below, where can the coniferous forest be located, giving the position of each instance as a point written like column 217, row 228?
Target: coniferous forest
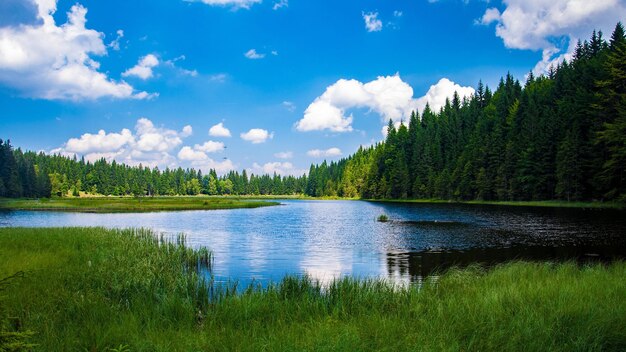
column 557, row 136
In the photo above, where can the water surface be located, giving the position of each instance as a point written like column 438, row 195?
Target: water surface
column 327, row 239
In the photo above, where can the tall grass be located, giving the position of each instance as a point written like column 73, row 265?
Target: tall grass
column 100, row 290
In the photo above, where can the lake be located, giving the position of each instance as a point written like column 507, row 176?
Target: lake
column 328, row 239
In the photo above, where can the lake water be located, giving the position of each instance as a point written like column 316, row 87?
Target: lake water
column 327, row 239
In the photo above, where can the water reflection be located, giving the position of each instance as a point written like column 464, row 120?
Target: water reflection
column 415, row 266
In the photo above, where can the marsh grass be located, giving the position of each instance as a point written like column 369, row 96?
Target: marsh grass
column 382, row 218
column 104, row 290
column 130, row 204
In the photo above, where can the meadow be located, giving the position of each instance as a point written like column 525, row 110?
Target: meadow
column 93, row 289
column 131, row 204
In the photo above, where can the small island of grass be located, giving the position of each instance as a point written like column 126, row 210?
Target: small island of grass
column 131, row 204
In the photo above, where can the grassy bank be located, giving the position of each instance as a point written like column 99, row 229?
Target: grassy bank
column 541, row 203
column 90, row 289
column 129, row 204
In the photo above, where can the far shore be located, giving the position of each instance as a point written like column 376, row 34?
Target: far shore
column 117, row 204
column 131, row 204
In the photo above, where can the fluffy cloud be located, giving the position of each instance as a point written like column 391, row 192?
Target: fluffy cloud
column 491, row 15
column 199, row 152
column 149, row 145
column 542, row 24
column 372, row 23
column 144, row 67
column 219, row 131
column 237, row 4
column 257, row 135
column 198, row 158
column 280, row 4
column 221, row 167
column 284, row 155
column 210, row 147
column 328, row 153
column 187, row 131
column 388, row 96
column 50, row 61
column 189, row 154
column 281, row 168
column 101, row 142
column 253, row 55
column 438, row 93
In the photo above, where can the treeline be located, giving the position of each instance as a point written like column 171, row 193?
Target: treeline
column 29, row 174
column 560, row 136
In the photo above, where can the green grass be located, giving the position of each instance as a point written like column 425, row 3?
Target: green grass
column 90, row 289
column 129, row 204
column 541, row 203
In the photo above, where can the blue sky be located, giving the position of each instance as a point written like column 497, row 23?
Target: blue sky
column 294, row 82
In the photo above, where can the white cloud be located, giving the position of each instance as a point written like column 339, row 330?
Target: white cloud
column 328, row 153
column 189, row 154
column 281, row 168
column 197, row 157
column 253, row 55
column 144, row 67
column 100, row 142
column 237, row 4
column 388, row 96
column 47, row 61
column 149, row 145
column 210, row 147
column 284, row 155
column 115, row 44
column 257, row 135
column 290, row 106
column 219, row 131
column 274, row 52
column 280, row 4
column 385, row 130
column 187, row 131
column 185, row 72
column 372, row 23
column 543, row 24
column 221, row 167
column 439, row 92
column 397, row 13
column 491, row 15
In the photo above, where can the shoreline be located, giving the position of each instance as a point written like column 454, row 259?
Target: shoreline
column 130, row 204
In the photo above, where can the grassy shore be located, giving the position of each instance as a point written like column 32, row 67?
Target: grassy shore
column 91, row 289
column 130, row 204
column 540, row 203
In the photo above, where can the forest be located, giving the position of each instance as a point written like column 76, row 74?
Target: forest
column 556, row 136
